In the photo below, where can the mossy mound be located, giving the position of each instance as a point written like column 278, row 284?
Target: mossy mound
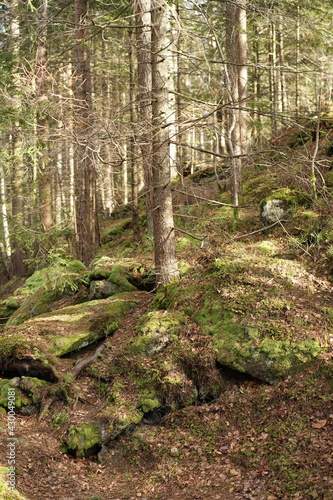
column 281, row 204
column 82, row 440
column 157, row 329
column 236, row 346
column 28, row 393
column 54, row 334
column 46, row 286
column 86, row 323
column 250, row 313
column 118, row 229
column 7, row 308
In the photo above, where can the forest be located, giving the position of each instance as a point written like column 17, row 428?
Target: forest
column 166, row 249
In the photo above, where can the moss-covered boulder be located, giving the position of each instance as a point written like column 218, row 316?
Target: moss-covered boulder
column 239, row 347
column 78, row 326
column 83, row 440
column 157, row 329
column 7, row 308
column 33, row 350
column 46, row 286
column 26, row 393
column 280, row 205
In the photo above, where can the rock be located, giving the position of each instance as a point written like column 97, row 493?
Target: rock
column 102, row 289
column 28, row 393
column 83, row 440
column 61, row 332
column 279, row 206
column 275, row 210
column 157, row 330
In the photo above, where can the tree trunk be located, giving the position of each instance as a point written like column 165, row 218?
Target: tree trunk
column 43, row 130
column 241, row 59
column 87, row 222
column 234, row 130
column 164, row 236
column 133, row 161
column 143, row 36
column 297, row 100
column 18, row 268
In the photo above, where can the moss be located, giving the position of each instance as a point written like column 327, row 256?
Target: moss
column 59, row 419
column 157, row 329
column 119, row 277
column 148, row 400
column 11, row 344
column 6, row 493
column 236, row 346
column 118, row 229
column 82, row 438
column 98, row 274
column 87, row 323
column 291, row 196
column 8, row 307
column 184, row 268
column 30, row 386
column 46, row 286
column 186, row 242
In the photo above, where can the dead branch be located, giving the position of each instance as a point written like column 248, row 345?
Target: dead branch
column 85, row 362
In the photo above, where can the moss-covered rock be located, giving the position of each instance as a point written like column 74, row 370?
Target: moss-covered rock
column 82, row 440
column 8, row 307
column 281, row 204
column 119, row 277
column 157, row 329
column 46, row 286
column 238, row 346
column 27, row 392
column 59, row 332
column 86, row 323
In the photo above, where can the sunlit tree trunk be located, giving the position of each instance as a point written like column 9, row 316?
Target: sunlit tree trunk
column 232, row 77
column 297, row 97
column 43, row 130
column 241, row 59
column 87, row 223
column 133, row 160
column 164, row 235
column 143, row 37
column 17, row 184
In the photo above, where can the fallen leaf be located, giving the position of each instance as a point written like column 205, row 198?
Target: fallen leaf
column 319, row 424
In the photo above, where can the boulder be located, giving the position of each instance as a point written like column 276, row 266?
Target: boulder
column 102, row 289
column 280, row 205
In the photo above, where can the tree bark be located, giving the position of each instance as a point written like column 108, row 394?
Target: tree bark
column 166, row 267
column 133, row 161
column 241, row 58
column 43, row 129
column 143, row 37
column 87, row 222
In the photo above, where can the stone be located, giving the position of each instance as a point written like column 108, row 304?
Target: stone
column 275, row 210
column 102, row 289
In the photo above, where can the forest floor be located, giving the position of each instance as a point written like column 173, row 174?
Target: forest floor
column 254, row 441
